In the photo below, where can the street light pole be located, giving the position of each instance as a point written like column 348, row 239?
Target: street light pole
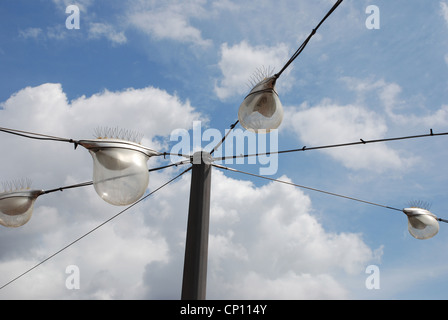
column 196, row 246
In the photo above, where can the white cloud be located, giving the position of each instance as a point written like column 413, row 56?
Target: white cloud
column 290, row 286
column 226, row 5
column 240, row 61
column 329, row 123
column 62, row 217
column 270, row 236
column 97, row 257
column 98, row 30
column 377, row 105
column 33, row 33
column 56, row 32
column 265, row 241
column 45, row 109
column 276, row 249
column 169, row 21
column 399, row 110
column 444, row 10
column 390, row 94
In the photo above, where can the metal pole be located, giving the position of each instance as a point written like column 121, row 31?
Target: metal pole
column 196, row 246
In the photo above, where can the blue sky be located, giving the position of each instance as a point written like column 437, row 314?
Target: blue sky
column 158, row 66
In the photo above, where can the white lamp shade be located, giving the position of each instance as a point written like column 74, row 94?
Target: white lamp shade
column 261, row 111
column 120, row 171
column 422, row 224
column 16, row 208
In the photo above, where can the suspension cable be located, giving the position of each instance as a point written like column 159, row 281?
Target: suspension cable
column 304, row 187
column 225, row 137
column 38, row 136
column 89, row 183
column 303, row 45
column 78, row 185
column 361, row 142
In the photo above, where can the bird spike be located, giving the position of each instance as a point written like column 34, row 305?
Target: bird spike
column 420, row 204
column 16, row 185
column 118, row 133
column 259, row 75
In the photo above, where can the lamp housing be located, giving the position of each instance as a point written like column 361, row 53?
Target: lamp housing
column 422, row 224
column 16, row 208
column 120, row 171
column 261, row 111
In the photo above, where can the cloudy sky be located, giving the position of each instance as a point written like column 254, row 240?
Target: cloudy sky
column 161, row 67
